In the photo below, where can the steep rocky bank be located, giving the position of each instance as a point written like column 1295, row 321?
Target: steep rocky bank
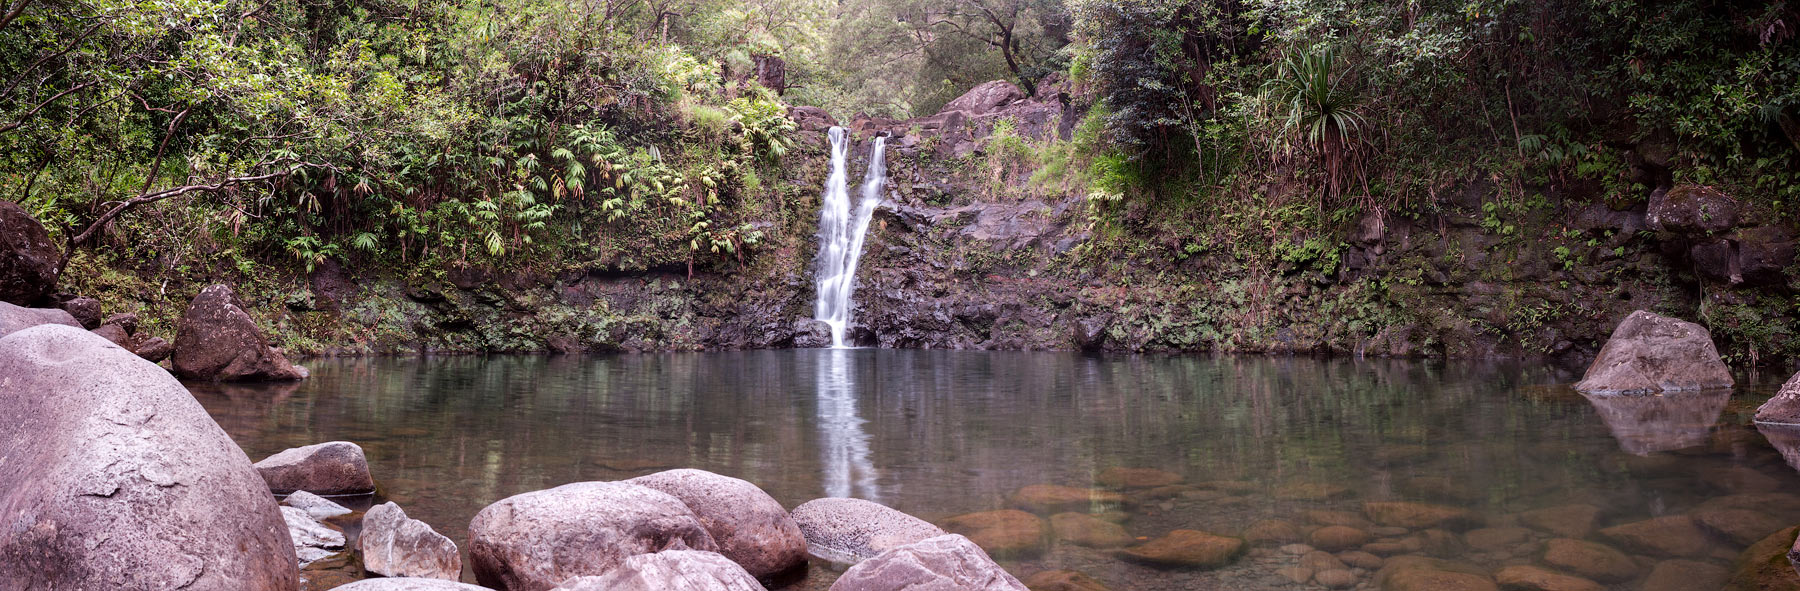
column 970, row 252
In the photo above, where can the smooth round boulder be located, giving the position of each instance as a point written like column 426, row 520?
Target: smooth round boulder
column 408, row 584
column 943, row 563
column 114, row 477
column 215, row 339
column 1652, row 353
column 536, row 540
column 29, row 261
column 849, row 531
column 330, row 468
column 751, row 527
column 687, row 570
column 394, row 545
column 14, row 318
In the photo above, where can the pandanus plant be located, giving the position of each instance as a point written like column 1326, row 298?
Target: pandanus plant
column 1321, row 110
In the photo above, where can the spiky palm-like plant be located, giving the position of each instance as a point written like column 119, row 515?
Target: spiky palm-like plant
column 1320, row 110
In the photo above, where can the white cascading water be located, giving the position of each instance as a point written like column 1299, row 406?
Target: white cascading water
column 841, row 232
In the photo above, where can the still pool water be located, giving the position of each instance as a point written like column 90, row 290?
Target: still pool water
column 1264, row 447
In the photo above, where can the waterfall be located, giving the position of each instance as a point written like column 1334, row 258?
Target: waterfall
column 841, row 232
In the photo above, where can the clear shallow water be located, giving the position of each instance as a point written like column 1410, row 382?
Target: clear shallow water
column 938, row 434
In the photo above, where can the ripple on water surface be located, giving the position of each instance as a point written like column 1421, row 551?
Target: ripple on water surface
column 1132, row 472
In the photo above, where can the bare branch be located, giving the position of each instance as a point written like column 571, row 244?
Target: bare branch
column 21, row 121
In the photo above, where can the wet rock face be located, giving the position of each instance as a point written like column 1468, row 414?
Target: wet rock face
column 330, row 468
column 751, row 528
column 849, row 531
column 1652, row 353
column 28, row 260
column 536, row 540
column 217, row 340
column 943, row 563
column 688, row 570
column 394, row 545
column 103, row 447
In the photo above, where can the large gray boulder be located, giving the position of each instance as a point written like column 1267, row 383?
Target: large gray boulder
column 330, row 468
column 944, row 563
column 985, row 98
column 752, row 528
column 217, row 340
column 29, row 262
column 394, row 545
column 14, row 318
column 1784, row 407
column 536, row 540
column 113, row 477
column 849, row 531
column 687, row 570
column 1651, row 353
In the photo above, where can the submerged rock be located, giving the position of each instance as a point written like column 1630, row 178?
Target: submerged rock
column 686, row 570
column 217, row 340
column 1682, row 575
column 1588, row 559
column 1007, row 532
column 1063, row 580
column 1269, row 532
column 1054, row 498
column 1186, row 548
column 330, row 468
column 943, row 563
column 1569, row 521
column 1333, row 538
column 538, row 539
column 1652, row 353
column 116, row 478
column 1137, row 478
column 1767, row 565
column 849, row 531
column 751, row 528
column 408, row 584
column 1674, row 536
column 394, row 545
column 1082, row 529
column 1419, row 515
column 29, row 262
column 1532, row 578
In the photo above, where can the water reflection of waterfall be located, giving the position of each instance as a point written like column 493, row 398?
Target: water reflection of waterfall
column 843, row 442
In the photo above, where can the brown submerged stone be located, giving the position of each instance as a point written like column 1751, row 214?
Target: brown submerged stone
column 1055, row 498
column 1674, row 536
column 1569, row 521
column 1683, row 575
column 1531, row 578
column 1419, row 515
column 1333, row 538
column 1086, row 530
column 1119, row 477
column 1765, row 565
column 1186, row 548
column 1007, row 532
column 1063, row 580
column 1588, row 559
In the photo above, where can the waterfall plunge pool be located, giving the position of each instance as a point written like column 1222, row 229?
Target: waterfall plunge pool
column 1253, row 441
